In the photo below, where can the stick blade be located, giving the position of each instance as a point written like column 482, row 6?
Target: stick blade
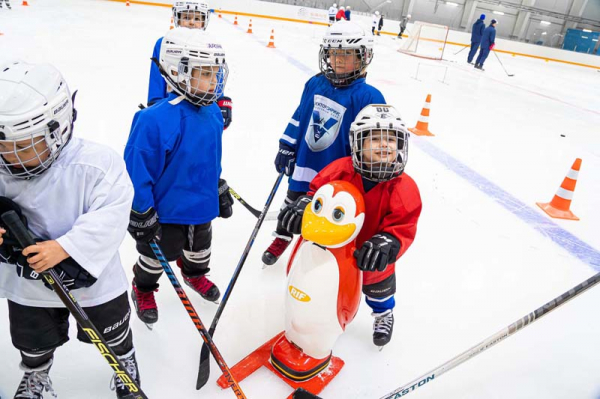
column 204, row 369
column 301, row 393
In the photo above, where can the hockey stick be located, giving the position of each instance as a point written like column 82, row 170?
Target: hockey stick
column 494, row 339
column 254, row 211
column 204, row 369
column 20, row 233
column 460, row 50
column 196, row 319
column 505, row 71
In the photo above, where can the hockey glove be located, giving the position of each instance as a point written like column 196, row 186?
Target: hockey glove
column 144, row 227
column 226, row 105
column 225, row 200
column 377, row 252
column 286, row 159
column 492, row 46
column 291, row 216
column 72, row 275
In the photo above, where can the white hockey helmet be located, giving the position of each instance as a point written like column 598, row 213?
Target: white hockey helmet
column 347, row 37
column 334, row 4
column 36, row 117
column 376, row 12
column 379, row 143
column 184, row 51
column 189, row 12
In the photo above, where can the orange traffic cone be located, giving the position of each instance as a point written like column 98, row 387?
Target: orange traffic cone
column 127, row 4
column 220, row 16
column 560, row 204
column 172, row 26
column 272, row 39
column 25, row 3
column 250, row 27
column 235, row 21
column 422, row 128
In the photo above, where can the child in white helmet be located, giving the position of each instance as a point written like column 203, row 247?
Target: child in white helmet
column 173, row 156
column 317, row 134
column 75, row 197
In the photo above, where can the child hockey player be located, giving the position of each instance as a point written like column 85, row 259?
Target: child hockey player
column 193, row 14
column 317, row 134
column 174, row 159
column 76, row 196
column 379, row 143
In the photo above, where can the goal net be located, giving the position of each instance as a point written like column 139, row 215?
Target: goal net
column 425, row 40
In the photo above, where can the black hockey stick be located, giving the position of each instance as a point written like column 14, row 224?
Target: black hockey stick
column 204, row 369
column 254, row 211
column 196, row 319
column 20, row 233
column 505, row 71
column 494, row 339
column 460, row 50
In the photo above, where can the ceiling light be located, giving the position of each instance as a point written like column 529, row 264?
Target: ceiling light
column 451, row 3
column 545, row 23
column 544, row 33
column 498, row 12
column 584, row 37
column 587, row 30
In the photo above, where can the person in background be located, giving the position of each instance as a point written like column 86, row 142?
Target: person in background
column 476, row 34
column 348, row 13
column 341, row 14
column 332, row 12
column 380, row 25
column 376, row 18
column 403, row 25
column 488, row 42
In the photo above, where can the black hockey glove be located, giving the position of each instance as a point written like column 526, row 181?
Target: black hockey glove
column 225, row 200
column 291, row 216
column 226, row 105
column 377, row 252
column 285, row 161
column 144, row 227
column 72, row 275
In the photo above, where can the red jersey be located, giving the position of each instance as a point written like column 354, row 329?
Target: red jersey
column 341, row 14
column 391, row 207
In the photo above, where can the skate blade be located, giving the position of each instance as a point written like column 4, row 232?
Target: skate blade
column 380, row 348
column 149, row 326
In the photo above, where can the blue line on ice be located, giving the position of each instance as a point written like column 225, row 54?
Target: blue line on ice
column 572, row 244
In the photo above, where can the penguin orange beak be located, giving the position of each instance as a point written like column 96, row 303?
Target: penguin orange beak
column 323, row 232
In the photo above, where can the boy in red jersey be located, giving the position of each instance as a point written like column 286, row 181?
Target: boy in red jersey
column 379, row 145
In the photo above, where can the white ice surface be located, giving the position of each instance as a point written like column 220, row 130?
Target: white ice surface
column 474, row 268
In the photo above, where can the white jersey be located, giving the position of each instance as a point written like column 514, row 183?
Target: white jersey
column 82, row 201
column 376, row 20
column 332, row 11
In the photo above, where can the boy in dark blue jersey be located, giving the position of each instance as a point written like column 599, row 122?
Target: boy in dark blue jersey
column 192, row 14
column 317, row 134
column 173, row 156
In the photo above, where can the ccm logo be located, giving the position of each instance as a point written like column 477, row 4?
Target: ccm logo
column 298, row 294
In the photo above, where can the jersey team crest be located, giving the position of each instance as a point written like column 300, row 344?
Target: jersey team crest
column 325, row 125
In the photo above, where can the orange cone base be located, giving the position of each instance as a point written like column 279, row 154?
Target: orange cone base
column 556, row 213
column 420, row 132
column 290, row 361
column 271, row 45
column 261, row 357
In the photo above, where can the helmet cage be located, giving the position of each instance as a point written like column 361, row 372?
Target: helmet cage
column 363, row 57
column 378, row 161
column 183, row 82
column 186, row 10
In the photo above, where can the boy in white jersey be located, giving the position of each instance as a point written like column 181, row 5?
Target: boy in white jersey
column 75, row 197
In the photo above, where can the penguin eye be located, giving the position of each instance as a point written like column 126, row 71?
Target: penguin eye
column 338, row 214
column 318, row 205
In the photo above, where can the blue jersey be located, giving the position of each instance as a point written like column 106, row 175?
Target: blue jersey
column 489, row 37
column 157, row 89
column 173, row 157
column 319, row 129
column 477, row 32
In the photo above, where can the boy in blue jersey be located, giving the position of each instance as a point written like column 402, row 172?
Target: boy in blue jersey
column 317, row 134
column 173, row 156
column 191, row 14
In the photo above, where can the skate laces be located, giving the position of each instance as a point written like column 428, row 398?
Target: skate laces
column 33, row 384
column 200, row 283
column 383, row 322
column 278, row 246
column 131, row 367
column 145, row 300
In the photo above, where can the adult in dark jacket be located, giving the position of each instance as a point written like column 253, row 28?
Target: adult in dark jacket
column 476, row 33
column 380, row 25
column 488, row 41
column 347, row 13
